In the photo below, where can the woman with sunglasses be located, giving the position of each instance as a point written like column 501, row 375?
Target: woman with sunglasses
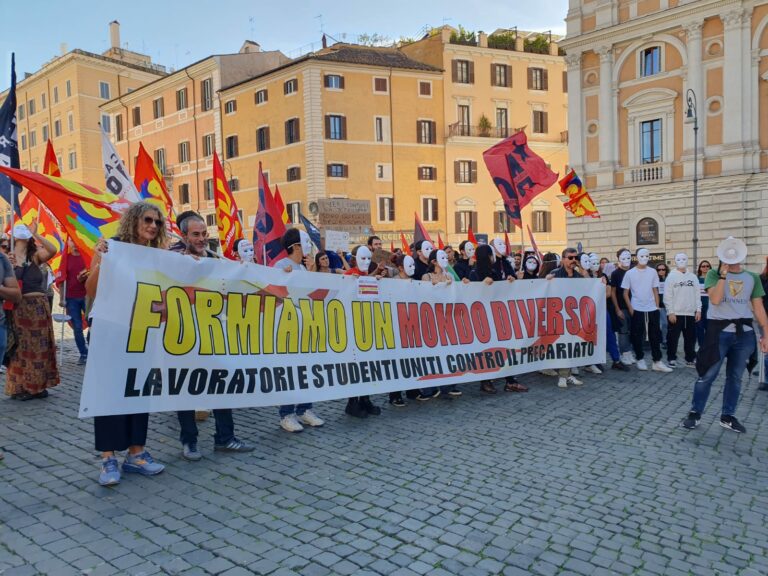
column 701, row 325
column 32, row 369
column 141, row 224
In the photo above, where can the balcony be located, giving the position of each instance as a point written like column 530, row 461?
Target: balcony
column 459, row 129
column 658, row 173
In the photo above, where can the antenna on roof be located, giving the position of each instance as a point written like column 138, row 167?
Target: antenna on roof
column 251, row 20
column 320, row 17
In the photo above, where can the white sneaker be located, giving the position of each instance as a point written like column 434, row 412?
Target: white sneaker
column 632, row 355
column 626, row 359
column 311, row 419
column 548, row 372
column 574, row 381
column 641, row 365
column 593, row 369
column 661, row 367
column 562, row 382
column 291, row 424
column 575, row 371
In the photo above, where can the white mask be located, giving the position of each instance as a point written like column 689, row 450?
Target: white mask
column 306, row 243
column 426, row 248
column 643, row 256
column 409, row 265
column 499, row 246
column 442, row 259
column 594, row 262
column 625, row 259
column 245, row 251
column 585, row 262
column 681, row 261
column 531, row 265
column 469, row 249
column 363, row 258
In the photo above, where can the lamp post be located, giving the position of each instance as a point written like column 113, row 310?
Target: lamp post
column 692, row 117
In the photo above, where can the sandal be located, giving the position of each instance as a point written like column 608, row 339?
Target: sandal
column 488, row 387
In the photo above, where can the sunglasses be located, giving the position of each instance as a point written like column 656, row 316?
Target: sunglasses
column 661, row 269
column 149, row 220
column 5, row 246
column 570, row 257
column 706, row 266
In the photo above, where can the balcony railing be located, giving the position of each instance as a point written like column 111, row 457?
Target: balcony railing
column 479, row 131
column 648, row 174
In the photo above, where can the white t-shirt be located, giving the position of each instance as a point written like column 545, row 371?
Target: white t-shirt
column 640, row 283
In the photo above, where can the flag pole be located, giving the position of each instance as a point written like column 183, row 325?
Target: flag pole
column 64, row 300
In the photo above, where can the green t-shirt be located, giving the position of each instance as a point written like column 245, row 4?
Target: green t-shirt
column 740, row 289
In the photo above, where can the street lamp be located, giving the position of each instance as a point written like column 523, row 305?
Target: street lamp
column 691, row 117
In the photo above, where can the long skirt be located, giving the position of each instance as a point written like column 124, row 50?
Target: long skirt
column 33, row 366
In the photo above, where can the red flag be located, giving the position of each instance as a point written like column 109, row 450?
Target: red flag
column 533, row 244
column 471, row 237
column 519, row 174
column 280, row 207
column 268, row 229
column 227, row 219
column 51, row 163
column 85, row 213
column 392, row 246
column 419, row 232
column 507, row 244
column 406, row 246
column 32, row 209
column 151, row 186
column 440, row 245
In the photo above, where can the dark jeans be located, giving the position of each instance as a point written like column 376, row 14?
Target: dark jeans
column 297, row 409
column 622, row 332
column 642, row 323
column 737, row 350
column 225, row 426
column 611, row 344
column 75, row 310
column 686, row 325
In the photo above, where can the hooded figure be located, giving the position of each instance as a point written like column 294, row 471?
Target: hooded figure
column 531, row 267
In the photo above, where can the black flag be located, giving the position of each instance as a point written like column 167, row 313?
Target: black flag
column 9, row 148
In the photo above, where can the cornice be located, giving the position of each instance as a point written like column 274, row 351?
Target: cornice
column 638, row 27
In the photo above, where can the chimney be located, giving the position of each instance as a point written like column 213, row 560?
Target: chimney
column 325, row 42
column 114, row 34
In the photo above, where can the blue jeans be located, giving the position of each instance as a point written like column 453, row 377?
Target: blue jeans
column 622, row 331
column 297, row 409
column 225, row 426
column 737, row 349
column 75, row 310
column 611, row 345
column 663, row 324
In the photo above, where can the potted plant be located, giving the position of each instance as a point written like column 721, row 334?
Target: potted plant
column 484, row 126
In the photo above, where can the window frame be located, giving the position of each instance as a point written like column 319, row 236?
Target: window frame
column 642, row 61
column 257, row 96
column 158, row 108
column 382, row 79
column 641, row 148
column 181, row 99
column 434, row 211
column 230, row 107
column 385, row 208
column 231, row 146
column 290, row 87
column 102, row 85
column 185, row 152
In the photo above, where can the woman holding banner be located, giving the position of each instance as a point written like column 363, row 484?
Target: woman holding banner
column 32, row 369
column 141, row 224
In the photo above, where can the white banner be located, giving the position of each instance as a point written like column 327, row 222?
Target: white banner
column 174, row 333
column 117, row 179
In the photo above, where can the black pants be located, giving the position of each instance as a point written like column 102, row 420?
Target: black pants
column 115, row 433
column 637, row 331
column 686, row 325
column 225, row 426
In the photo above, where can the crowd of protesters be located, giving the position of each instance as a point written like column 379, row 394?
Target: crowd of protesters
column 644, row 305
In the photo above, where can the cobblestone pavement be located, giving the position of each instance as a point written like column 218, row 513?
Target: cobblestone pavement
column 595, row 480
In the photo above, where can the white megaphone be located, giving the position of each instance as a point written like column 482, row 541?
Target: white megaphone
column 732, row 251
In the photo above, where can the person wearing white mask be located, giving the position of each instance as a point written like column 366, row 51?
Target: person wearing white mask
column 641, row 295
column 530, row 268
column 361, row 406
column 621, row 315
column 502, row 265
column 465, row 260
column 421, row 251
column 244, row 251
column 682, row 299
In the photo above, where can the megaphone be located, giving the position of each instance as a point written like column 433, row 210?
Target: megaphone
column 732, row 251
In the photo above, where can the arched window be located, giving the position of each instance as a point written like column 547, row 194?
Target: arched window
column 647, row 232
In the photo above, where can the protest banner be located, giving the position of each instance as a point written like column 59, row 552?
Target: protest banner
column 174, row 333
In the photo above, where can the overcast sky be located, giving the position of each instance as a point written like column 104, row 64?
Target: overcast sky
column 176, row 33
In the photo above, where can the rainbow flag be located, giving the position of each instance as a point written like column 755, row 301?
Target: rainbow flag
column 579, row 202
column 151, row 186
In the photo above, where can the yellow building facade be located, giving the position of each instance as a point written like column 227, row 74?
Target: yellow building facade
column 61, row 102
column 177, row 119
column 345, row 122
column 645, row 75
column 495, row 85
